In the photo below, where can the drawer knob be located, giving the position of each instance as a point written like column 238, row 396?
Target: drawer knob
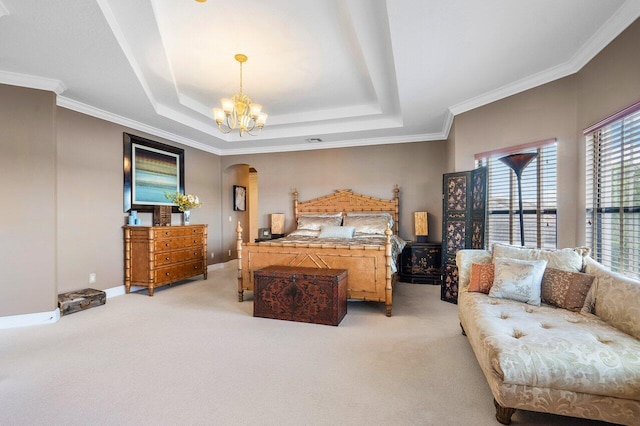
column 195, row 241
column 167, row 274
column 166, row 258
column 167, row 233
column 195, row 267
column 166, row 244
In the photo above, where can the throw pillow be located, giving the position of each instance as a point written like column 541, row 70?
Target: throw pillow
column 567, row 259
column 518, row 280
column 336, row 231
column 565, row 289
column 481, row 277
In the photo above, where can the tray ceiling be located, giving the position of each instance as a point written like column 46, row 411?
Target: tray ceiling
column 348, row 72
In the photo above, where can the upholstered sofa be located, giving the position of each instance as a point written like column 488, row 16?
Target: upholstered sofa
column 583, row 363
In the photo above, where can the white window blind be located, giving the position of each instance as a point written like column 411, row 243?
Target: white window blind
column 613, row 191
column 538, row 197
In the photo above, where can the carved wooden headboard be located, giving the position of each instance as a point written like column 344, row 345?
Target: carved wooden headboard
column 344, row 200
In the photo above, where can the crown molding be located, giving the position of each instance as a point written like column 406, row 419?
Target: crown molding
column 427, row 137
column 132, row 124
column 3, row 10
column 32, row 82
column 618, row 22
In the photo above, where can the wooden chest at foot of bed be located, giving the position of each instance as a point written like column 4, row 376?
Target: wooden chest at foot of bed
column 312, row 295
column 80, row 300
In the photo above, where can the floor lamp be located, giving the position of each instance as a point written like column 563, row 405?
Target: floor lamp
column 517, row 163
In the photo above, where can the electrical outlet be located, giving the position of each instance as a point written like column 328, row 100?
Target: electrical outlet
column 92, row 278
column 229, row 252
column 212, row 255
column 230, row 219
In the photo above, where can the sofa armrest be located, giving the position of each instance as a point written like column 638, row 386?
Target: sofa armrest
column 464, row 259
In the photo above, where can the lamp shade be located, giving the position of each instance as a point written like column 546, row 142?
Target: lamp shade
column 277, row 223
column 420, row 226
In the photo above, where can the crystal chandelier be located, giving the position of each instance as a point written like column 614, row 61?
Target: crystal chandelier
column 239, row 112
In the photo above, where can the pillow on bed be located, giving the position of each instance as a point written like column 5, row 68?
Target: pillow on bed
column 316, row 222
column 304, row 233
column 328, row 231
column 368, row 224
column 387, row 215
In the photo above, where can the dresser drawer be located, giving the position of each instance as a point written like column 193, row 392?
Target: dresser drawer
column 168, row 258
column 167, row 244
column 178, row 272
column 183, row 231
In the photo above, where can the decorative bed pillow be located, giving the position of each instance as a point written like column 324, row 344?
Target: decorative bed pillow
column 304, row 233
column 481, row 277
column 565, row 289
column 368, row 224
column 567, row 259
column 316, row 222
column 328, row 231
column 518, row 280
column 387, row 215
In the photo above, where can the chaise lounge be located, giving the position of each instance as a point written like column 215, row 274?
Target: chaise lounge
column 583, row 362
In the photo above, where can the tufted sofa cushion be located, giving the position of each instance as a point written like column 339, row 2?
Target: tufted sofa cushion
column 547, row 347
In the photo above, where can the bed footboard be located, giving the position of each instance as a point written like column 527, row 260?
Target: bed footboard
column 369, row 268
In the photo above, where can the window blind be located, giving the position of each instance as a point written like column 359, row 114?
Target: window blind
column 538, row 197
column 613, row 192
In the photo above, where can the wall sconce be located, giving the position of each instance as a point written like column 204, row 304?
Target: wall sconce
column 277, row 224
column 420, row 226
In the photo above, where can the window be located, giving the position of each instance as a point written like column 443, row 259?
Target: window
column 538, row 196
column 613, row 191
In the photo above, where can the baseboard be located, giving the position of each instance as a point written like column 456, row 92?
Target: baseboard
column 120, row 290
column 39, row 318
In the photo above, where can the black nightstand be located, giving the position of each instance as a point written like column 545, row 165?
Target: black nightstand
column 420, row 263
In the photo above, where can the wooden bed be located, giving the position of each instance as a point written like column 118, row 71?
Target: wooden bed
column 369, row 267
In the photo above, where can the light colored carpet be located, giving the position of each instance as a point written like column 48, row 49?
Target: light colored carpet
column 192, row 354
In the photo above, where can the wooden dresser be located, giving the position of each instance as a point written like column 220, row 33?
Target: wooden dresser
column 159, row 255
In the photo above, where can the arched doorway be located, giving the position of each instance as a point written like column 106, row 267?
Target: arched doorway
column 245, row 176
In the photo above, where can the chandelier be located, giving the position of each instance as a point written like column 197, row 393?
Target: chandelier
column 240, row 112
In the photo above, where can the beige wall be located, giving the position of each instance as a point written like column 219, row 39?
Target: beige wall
column 560, row 109
column 416, row 167
column 27, row 228
column 90, row 203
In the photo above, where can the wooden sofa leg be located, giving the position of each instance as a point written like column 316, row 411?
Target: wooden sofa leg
column 503, row 414
column 464, row 333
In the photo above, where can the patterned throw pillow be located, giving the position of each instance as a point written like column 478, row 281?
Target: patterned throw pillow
column 481, row 277
column 565, row 289
column 567, row 259
column 518, row 280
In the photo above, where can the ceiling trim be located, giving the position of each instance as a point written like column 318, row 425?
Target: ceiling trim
column 3, row 10
column 32, row 82
column 429, row 137
column 132, row 124
column 618, row 22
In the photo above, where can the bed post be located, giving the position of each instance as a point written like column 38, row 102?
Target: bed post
column 388, row 284
column 239, row 249
column 295, row 206
column 396, row 200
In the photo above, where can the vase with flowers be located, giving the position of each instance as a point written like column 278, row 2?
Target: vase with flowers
column 185, row 202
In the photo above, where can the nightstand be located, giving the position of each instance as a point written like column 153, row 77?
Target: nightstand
column 420, row 263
